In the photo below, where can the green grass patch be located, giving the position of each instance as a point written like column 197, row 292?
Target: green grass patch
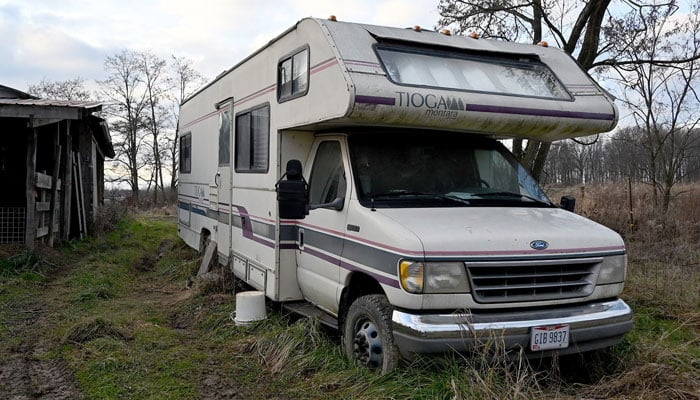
column 25, row 265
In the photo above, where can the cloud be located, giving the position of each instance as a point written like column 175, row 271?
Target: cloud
column 61, row 39
column 36, row 50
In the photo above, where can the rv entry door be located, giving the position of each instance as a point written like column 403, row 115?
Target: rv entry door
column 224, row 179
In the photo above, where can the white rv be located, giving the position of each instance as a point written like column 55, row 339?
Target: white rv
column 352, row 172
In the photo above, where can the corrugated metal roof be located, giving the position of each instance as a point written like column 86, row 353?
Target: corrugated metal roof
column 28, row 106
column 88, row 105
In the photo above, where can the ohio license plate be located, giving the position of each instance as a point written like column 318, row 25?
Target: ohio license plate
column 549, row 337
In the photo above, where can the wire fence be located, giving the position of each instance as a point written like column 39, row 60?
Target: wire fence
column 12, row 220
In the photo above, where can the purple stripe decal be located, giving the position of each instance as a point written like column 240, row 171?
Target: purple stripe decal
column 539, row 113
column 389, row 101
column 247, row 227
column 350, row 267
column 379, row 278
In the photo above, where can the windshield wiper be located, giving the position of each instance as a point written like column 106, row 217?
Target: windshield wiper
column 401, row 192
column 513, row 194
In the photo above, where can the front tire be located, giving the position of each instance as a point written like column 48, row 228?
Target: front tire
column 367, row 334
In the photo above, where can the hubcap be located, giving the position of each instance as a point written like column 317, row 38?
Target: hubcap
column 367, row 345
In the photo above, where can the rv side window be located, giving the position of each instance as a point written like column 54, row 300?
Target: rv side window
column 186, row 153
column 225, row 138
column 328, row 175
column 522, row 76
column 293, row 76
column 253, row 140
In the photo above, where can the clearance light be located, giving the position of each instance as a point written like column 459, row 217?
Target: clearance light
column 543, row 44
column 417, row 28
column 411, row 274
column 446, row 32
column 474, row 35
column 333, row 18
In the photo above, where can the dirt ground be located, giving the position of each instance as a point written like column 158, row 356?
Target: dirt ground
column 27, row 368
column 30, row 363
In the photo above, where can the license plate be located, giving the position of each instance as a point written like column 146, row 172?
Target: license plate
column 549, row 337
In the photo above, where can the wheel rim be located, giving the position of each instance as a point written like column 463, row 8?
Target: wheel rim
column 367, row 344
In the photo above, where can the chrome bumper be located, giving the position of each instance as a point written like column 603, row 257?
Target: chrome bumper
column 592, row 326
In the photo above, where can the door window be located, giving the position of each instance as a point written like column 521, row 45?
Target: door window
column 327, row 175
column 225, row 138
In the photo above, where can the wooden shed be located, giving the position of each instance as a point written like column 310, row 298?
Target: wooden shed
column 52, row 156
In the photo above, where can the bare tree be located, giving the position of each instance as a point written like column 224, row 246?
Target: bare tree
column 157, row 86
column 71, row 89
column 587, row 30
column 124, row 89
column 532, row 20
column 662, row 96
column 185, row 80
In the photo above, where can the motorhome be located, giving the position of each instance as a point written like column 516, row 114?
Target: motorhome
column 355, row 173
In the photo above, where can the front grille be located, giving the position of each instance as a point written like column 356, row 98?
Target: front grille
column 521, row 281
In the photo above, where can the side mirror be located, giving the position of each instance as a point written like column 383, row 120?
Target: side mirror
column 293, row 193
column 568, row 203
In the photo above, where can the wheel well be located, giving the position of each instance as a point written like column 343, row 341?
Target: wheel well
column 359, row 284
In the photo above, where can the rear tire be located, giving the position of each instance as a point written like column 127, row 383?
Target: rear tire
column 368, row 336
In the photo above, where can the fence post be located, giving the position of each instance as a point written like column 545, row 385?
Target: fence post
column 30, row 186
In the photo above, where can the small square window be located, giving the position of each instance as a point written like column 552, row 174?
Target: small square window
column 253, row 140
column 186, row 153
column 293, row 76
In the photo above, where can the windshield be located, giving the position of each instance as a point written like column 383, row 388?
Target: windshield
column 426, row 170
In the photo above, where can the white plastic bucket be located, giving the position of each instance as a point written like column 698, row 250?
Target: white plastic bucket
column 250, row 308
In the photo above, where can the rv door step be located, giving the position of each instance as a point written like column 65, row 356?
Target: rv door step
column 308, row 310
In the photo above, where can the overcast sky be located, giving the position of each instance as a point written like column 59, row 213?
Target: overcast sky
column 63, row 39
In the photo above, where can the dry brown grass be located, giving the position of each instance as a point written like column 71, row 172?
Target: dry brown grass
column 663, row 250
column 663, row 287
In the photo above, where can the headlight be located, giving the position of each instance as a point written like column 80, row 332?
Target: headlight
column 433, row 277
column 613, row 269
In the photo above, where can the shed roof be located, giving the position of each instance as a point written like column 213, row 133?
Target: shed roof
column 44, row 108
column 17, row 104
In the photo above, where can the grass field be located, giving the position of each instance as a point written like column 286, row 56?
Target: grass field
column 113, row 317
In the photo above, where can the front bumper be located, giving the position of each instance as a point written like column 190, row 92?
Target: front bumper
column 592, row 326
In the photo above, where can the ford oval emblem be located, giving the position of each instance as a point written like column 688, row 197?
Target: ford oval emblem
column 539, row 244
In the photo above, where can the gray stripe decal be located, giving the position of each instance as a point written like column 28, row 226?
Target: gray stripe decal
column 325, row 242
column 223, row 217
column 289, row 232
column 380, row 260
column 354, row 252
column 350, row 267
column 264, row 229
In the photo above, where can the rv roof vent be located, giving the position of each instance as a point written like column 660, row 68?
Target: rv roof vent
column 332, row 18
column 446, row 32
column 474, row 35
